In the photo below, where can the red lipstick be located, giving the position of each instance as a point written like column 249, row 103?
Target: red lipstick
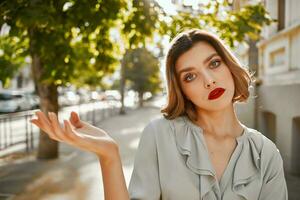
column 216, row 93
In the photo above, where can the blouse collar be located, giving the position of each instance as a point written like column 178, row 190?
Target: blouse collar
column 190, row 143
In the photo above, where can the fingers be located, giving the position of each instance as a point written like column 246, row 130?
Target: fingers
column 53, row 128
column 42, row 122
column 43, row 117
column 36, row 122
column 75, row 120
column 57, row 129
column 69, row 132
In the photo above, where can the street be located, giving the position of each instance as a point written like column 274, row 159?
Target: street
column 76, row 174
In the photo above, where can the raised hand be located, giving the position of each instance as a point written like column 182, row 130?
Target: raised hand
column 78, row 133
column 90, row 138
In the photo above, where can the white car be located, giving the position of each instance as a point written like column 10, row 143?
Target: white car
column 68, row 98
column 14, row 101
column 112, row 95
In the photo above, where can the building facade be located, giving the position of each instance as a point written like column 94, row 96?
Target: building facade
column 278, row 102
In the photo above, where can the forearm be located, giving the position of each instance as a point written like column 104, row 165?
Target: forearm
column 113, row 179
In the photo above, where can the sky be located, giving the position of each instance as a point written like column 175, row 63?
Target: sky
column 171, row 8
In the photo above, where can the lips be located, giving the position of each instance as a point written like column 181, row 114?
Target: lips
column 216, row 93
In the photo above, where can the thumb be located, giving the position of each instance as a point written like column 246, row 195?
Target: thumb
column 75, row 120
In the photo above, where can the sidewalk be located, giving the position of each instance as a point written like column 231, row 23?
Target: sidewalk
column 76, row 174
column 293, row 185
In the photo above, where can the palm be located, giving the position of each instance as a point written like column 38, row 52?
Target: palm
column 88, row 130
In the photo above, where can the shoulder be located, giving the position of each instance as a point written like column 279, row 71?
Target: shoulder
column 263, row 142
column 268, row 151
column 159, row 124
column 154, row 133
column 156, row 126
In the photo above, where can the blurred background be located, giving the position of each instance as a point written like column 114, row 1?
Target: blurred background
column 105, row 60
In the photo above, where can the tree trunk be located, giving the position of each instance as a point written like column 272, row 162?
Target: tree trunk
column 48, row 94
column 253, row 66
column 20, row 80
column 122, row 88
column 141, row 99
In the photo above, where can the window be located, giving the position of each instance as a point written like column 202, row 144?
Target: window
column 281, row 15
column 277, row 57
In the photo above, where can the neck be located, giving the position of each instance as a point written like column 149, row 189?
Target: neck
column 220, row 124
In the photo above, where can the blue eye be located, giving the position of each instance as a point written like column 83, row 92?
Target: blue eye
column 188, row 76
column 213, row 63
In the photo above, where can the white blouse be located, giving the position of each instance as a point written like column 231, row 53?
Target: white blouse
column 172, row 163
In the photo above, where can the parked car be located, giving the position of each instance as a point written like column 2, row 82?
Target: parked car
column 94, row 95
column 111, row 95
column 14, row 101
column 84, row 95
column 68, row 98
column 34, row 100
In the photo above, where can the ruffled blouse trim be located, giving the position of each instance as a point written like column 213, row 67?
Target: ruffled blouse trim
column 190, row 143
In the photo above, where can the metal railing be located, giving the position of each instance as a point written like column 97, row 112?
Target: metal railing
column 16, row 129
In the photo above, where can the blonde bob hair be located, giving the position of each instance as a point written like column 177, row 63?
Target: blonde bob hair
column 177, row 103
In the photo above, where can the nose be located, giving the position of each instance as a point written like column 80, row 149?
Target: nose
column 208, row 85
column 209, row 81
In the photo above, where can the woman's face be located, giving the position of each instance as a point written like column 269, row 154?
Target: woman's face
column 201, row 70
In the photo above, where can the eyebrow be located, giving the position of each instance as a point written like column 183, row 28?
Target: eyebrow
column 205, row 61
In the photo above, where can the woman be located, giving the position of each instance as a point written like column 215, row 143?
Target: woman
column 198, row 149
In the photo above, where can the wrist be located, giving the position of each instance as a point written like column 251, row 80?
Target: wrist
column 111, row 159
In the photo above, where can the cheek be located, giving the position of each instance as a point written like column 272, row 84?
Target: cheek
column 187, row 91
column 230, row 85
column 193, row 91
column 228, row 78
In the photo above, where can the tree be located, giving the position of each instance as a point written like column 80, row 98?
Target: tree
column 233, row 26
column 139, row 25
column 142, row 70
column 66, row 39
column 12, row 54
